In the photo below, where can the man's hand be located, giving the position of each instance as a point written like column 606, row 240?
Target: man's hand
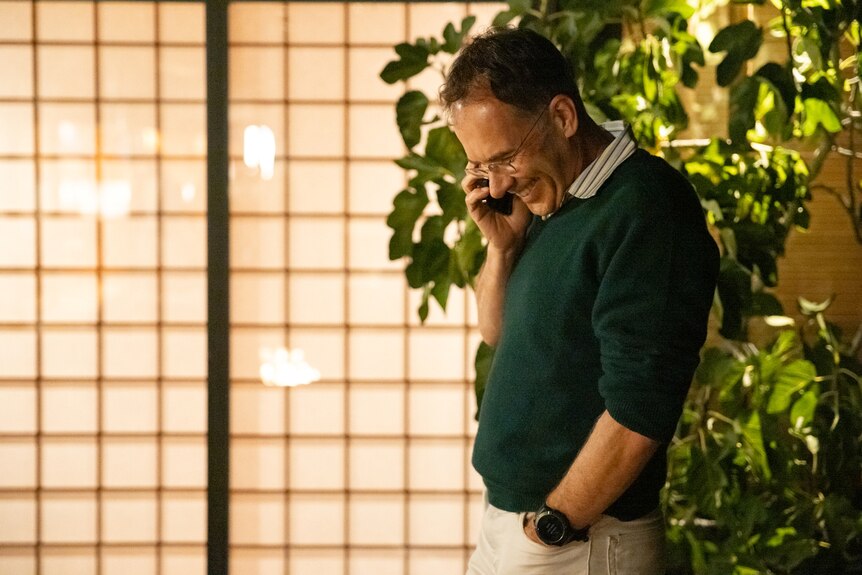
column 505, row 232
column 530, row 529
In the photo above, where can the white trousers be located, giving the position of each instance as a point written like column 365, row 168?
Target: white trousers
column 615, row 548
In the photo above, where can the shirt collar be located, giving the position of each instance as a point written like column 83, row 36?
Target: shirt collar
column 591, row 179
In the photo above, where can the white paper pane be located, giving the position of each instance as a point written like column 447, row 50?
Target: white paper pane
column 377, row 409
column 16, row 69
column 369, row 245
column 15, row 21
column 436, row 520
column 129, row 408
column 68, row 561
column 246, row 350
column 66, row 71
column 16, row 137
column 129, row 463
column 437, row 409
column 261, row 561
column 313, row 74
column 316, row 187
column 377, row 354
column 184, row 560
column 250, row 192
column 316, row 130
column 257, row 464
column 67, row 129
column 69, row 353
column 377, row 464
column 437, row 465
column 69, row 463
column 316, row 243
column 256, row 23
column 19, row 302
column 316, row 561
column 129, row 561
column 257, row 243
column 317, row 410
column 256, row 73
column 17, row 464
column 184, row 517
column 127, row 72
column 184, row 353
column 258, row 519
column 17, row 409
column 257, row 409
column 318, row 22
column 129, row 297
column 69, row 242
column 20, row 235
column 317, row 519
column 183, row 186
column 184, row 242
column 377, row 299
column 19, row 183
column 183, row 128
column 129, row 129
column 128, row 518
column 374, row 133
column 64, row 21
column 69, row 408
column 323, row 348
column 137, row 176
column 377, row 562
column 70, row 297
column 18, row 519
column 388, row 19
column 129, row 353
column 242, row 116
column 184, row 297
column 377, row 520
column 317, row 299
column 126, row 21
column 317, row 464
column 184, row 407
column 182, row 73
column 184, row 463
column 18, row 353
column 182, row 22
column 373, row 187
column 257, row 298
column 437, row 354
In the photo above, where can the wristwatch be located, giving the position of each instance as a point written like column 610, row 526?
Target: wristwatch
column 553, row 528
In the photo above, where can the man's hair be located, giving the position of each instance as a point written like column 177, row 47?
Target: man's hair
column 521, row 68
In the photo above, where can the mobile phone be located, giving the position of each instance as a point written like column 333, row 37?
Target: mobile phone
column 502, row 205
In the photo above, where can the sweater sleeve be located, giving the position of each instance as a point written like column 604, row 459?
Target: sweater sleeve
column 657, row 268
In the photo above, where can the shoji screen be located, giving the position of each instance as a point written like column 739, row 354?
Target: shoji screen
column 102, row 288
column 367, row 470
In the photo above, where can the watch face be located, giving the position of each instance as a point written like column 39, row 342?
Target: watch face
column 550, row 529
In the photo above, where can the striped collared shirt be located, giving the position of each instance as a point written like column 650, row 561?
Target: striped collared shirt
column 591, row 179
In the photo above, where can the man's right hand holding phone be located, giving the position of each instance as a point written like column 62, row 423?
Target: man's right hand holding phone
column 503, row 221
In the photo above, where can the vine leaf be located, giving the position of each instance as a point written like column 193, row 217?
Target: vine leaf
column 409, row 112
column 413, row 60
column 741, row 41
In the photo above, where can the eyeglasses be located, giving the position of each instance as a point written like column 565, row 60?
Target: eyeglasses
column 504, row 166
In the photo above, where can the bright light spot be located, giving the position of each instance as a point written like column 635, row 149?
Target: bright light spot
column 259, row 150
column 282, row 367
column 779, row 320
column 188, row 192
column 110, row 199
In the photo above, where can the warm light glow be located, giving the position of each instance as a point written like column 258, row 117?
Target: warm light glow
column 259, row 150
column 779, row 320
column 188, row 192
column 110, row 199
column 282, row 367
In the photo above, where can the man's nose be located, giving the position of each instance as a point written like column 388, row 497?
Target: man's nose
column 499, row 183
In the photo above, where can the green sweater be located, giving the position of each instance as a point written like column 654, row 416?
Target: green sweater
column 606, row 309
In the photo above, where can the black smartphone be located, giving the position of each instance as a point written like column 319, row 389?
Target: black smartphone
column 502, row 205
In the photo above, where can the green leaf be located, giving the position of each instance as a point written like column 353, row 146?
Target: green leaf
column 444, row 149
column 803, row 408
column 409, row 112
column 734, row 289
column 407, row 207
column 743, row 102
column 454, row 39
column 663, row 7
column 791, row 379
column 753, row 435
column 819, row 113
column 469, row 253
column 440, row 291
column 451, row 199
column 413, row 60
column 741, row 41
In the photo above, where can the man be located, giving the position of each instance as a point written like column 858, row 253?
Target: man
column 595, row 292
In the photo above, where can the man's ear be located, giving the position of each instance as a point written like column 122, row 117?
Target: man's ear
column 564, row 114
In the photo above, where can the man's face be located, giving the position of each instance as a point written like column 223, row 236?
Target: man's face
column 491, row 131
